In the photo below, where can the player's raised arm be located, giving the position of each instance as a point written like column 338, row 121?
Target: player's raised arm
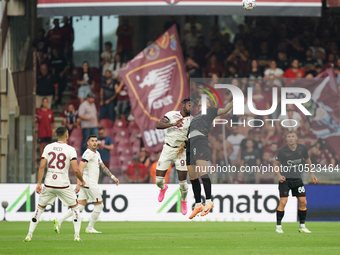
column 224, row 110
column 165, row 123
column 77, row 172
column 41, row 174
column 309, row 162
column 106, row 171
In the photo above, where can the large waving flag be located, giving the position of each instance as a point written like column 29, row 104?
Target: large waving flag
column 157, row 84
column 324, row 107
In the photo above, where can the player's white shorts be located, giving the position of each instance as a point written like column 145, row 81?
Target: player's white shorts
column 48, row 196
column 90, row 194
column 167, row 156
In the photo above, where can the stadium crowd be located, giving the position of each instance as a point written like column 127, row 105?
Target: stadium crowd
column 262, row 54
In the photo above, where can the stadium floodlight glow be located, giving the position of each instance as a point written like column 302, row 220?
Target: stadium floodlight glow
column 4, row 205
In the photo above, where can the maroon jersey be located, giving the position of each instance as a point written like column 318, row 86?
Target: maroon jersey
column 44, row 120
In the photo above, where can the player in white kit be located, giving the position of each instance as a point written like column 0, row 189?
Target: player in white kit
column 90, row 165
column 177, row 124
column 58, row 156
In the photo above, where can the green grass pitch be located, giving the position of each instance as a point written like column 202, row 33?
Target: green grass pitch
column 173, row 238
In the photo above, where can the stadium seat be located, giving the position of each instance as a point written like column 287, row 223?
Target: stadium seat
column 122, row 137
column 109, row 132
column 132, row 125
column 105, row 123
column 123, row 147
column 126, row 152
column 114, row 162
column 119, row 124
column 134, row 134
column 136, row 147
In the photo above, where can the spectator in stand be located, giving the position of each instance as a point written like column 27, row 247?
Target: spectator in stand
column 144, row 157
column 108, row 97
column 295, row 49
column 226, row 44
column 68, row 33
column 319, row 53
column 124, row 44
column 218, row 52
column 201, row 50
column 170, row 23
column 265, row 177
column 232, row 71
column 116, row 66
column 191, row 39
column 88, row 119
column 123, row 101
column 40, row 43
column 47, row 86
column 107, row 58
column 294, row 70
column 153, row 169
column 215, row 34
column 274, row 147
column 213, row 67
column 56, row 37
column 249, row 158
column 273, row 70
column 46, row 126
column 264, row 55
column 282, row 61
column 309, row 62
column 318, row 69
column 70, row 118
column 319, row 154
column 192, row 67
column 41, row 60
column 334, row 49
column 85, row 82
column 292, row 118
column 105, row 145
column 337, row 74
column 235, row 139
column 239, row 57
column 60, row 67
column 330, row 63
column 136, row 172
column 254, row 71
column 271, row 136
column 192, row 21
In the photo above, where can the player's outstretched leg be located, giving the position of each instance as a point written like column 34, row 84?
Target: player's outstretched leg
column 161, row 184
column 279, row 216
column 34, row 222
column 183, row 187
column 94, row 217
column 196, row 187
column 68, row 214
column 76, row 223
column 207, row 188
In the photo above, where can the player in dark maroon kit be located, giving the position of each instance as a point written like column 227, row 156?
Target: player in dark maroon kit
column 293, row 159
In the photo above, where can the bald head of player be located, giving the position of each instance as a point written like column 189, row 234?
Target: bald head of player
column 188, row 106
column 92, row 142
column 291, row 138
column 62, row 134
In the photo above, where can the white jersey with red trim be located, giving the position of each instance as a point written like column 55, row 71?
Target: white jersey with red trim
column 175, row 136
column 59, row 156
column 91, row 170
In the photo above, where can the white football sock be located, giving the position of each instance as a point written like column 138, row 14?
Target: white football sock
column 208, row 201
column 198, row 204
column 160, row 182
column 278, row 227
column 69, row 213
column 76, row 220
column 302, row 225
column 183, row 187
column 95, row 214
column 35, row 219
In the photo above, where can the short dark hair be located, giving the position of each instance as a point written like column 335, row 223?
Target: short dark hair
column 100, row 129
column 336, row 67
column 61, row 131
column 108, row 44
column 291, row 132
column 91, row 136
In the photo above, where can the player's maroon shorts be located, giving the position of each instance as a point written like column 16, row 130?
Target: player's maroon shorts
column 294, row 184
